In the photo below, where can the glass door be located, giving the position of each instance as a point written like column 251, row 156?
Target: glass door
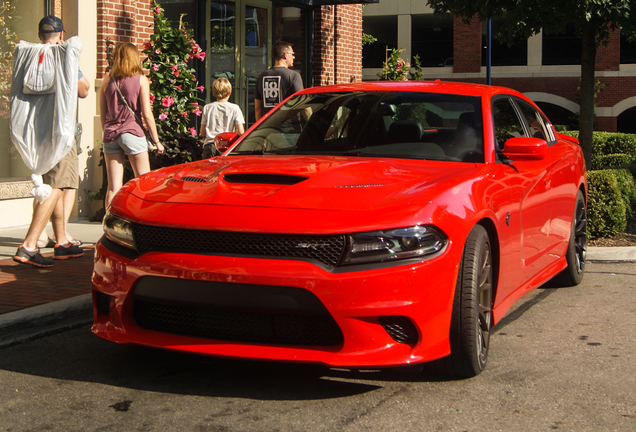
column 238, row 48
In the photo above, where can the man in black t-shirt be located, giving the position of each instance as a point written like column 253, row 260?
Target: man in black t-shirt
column 278, row 82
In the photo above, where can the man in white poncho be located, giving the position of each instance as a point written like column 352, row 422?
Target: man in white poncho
column 45, row 85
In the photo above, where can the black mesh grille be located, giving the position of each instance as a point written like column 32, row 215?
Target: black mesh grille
column 238, row 326
column 325, row 249
column 279, row 179
column 400, row 328
column 102, row 301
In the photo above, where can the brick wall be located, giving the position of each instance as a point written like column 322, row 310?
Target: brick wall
column 121, row 21
column 608, row 57
column 466, row 46
column 338, row 44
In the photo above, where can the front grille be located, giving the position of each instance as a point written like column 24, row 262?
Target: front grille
column 278, row 179
column 326, row 249
column 238, row 326
column 400, row 328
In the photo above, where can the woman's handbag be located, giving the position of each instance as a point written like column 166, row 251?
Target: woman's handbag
column 151, row 146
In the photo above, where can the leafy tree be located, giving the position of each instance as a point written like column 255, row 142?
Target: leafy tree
column 592, row 20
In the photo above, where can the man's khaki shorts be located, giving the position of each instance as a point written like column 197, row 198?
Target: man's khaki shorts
column 64, row 175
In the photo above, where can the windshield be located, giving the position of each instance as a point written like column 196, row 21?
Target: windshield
column 412, row 125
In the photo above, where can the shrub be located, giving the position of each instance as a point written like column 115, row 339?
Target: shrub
column 611, row 161
column 627, row 188
column 395, row 68
column 606, row 210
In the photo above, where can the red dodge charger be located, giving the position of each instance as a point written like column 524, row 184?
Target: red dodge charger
column 362, row 225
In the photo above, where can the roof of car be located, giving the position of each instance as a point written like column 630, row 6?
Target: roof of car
column 469, row 89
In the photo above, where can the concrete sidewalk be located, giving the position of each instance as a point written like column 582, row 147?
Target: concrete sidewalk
column 35, row 301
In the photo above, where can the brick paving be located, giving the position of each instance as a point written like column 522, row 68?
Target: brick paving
column 23, row 286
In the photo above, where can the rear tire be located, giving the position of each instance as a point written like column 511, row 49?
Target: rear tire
column 472, row 309
column 577, row 248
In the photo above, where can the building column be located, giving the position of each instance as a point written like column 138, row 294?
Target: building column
column 404, row 25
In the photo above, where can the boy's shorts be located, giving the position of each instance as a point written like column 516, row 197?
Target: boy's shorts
column 64, row 175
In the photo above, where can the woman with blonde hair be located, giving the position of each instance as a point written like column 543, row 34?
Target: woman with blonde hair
column 124, row 99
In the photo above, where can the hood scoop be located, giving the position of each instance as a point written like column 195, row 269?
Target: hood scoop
column 255, row 178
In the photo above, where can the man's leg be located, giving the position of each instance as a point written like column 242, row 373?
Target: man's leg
column 63, row 249
column 28, row 252
column 57, row 220
column 41, row 215
column 69, row 202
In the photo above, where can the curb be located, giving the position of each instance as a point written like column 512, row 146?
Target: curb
column 41, row 320
column 623, row 254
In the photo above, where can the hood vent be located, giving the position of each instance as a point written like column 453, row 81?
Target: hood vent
column 194, row 179
column 361, row 185
column 277, row 179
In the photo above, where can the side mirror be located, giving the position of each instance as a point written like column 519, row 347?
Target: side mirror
column 224, row 140
column 525, row 148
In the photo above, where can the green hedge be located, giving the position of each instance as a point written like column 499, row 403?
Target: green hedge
column 606, row 210
column 609, row 143
column 611, row 185
column 611, row 161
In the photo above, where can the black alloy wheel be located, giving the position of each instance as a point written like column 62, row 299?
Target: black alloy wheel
column 577, row 248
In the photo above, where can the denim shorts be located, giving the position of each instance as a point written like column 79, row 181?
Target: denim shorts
column 127, row 143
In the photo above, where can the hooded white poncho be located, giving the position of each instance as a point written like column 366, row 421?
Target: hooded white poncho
column 44, row 105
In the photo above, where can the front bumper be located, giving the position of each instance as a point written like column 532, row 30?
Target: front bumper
column 356, row 302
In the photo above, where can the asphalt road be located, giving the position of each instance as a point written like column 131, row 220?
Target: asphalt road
column 562, row 359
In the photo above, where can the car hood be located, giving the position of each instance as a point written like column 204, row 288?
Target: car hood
column 325, row 183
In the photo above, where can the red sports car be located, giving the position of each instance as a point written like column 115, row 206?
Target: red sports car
column 361, row 225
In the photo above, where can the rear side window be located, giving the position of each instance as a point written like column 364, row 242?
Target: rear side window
column 538, row 126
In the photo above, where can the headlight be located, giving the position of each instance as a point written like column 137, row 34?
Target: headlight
column 395, row 244
column 118, row 230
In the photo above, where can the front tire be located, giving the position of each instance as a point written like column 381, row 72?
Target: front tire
column 472, row 309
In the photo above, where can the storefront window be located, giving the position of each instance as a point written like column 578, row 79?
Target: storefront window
column 291, row 27
column 432, row 39
column 173, row 9
column 18, row 21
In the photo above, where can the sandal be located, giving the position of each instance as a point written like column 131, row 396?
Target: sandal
column 75, row 242
column 49, row 244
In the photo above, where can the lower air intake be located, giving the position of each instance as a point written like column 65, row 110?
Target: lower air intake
column 236, row 326
column 400, row 328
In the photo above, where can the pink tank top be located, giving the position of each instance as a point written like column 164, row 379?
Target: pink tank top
column 118, row 119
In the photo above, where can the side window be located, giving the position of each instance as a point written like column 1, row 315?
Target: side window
column 506, row 121
column 537, row 124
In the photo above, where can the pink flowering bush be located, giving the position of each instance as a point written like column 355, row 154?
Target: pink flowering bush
column 174, row 87
column 395, row 68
